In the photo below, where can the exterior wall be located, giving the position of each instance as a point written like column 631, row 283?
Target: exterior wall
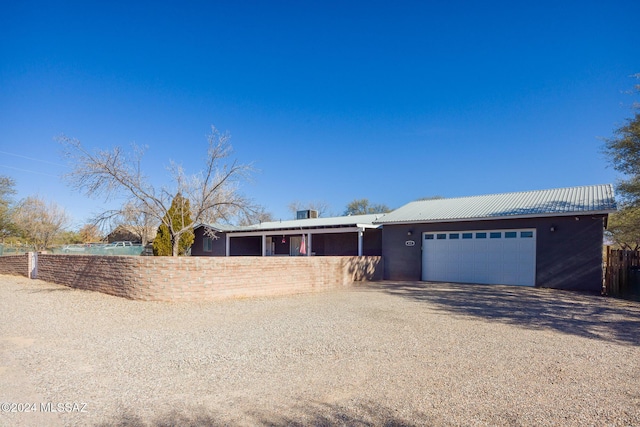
column 205, row 278
column 568, row 258
column 246, row 246
column 218, row 246
column 322, row 244
column 372, row 242
column 338, row 244
column 17, row 265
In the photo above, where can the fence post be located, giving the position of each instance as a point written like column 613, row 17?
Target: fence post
column 32, row 265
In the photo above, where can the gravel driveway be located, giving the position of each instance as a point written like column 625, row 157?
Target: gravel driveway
column 382, row 354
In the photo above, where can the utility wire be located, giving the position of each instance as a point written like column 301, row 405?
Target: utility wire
column 27, row 170
column 31, row 158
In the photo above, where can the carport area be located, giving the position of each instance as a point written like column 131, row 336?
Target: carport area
column 384, row 353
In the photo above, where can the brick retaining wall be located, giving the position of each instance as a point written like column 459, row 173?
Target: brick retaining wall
column 204, row 278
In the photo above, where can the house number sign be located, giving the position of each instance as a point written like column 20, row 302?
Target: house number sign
column 410, row 243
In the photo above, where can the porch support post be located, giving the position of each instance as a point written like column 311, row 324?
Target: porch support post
column 227, row 250
column 264, row 245
column 309, row 249
column 360, row 235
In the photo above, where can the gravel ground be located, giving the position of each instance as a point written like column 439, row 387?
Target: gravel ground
column 382, row 354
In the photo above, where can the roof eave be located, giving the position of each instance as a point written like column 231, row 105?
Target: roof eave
column 493, row 218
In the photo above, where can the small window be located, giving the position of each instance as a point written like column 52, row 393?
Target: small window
column 442, row 236
column 428, row 237
column 467, row 235
column 526, row 234
column 510, row 234
column 207, row 244
column 495, row 235
column 454, row 236
column 481, row 235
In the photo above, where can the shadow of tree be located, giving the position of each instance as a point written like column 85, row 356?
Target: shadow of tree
column 575, row 313
column 196, row 418
column 304, row 414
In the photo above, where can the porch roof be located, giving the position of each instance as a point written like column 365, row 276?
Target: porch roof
column 359, row 221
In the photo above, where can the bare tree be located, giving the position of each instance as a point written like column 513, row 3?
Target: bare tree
column 132, row 218
column 40, row 222
column 259, row 215
column 213, row 193
column 362, row 207
column 90, row 233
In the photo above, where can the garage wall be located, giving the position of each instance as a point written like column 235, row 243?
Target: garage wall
column 568, row 258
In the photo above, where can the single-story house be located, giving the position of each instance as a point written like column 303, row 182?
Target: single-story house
column 354, row 235
column 547, row 238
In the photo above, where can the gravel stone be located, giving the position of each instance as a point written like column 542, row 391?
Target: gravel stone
column 383, row 353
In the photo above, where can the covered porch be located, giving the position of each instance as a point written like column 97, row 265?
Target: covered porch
column 322, row 241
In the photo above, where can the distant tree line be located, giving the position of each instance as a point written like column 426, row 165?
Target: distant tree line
column 623, row 151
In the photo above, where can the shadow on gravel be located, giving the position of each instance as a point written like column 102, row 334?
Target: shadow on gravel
column 575, row 313
column 308, row 414
column 49, row 290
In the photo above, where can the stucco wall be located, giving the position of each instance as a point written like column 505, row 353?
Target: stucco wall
column 205, row 278
column 568, row 258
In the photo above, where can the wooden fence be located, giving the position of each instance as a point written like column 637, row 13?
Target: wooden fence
column 621, row 272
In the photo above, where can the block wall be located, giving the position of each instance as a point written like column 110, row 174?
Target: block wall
column 16, row 265
column 205, row 278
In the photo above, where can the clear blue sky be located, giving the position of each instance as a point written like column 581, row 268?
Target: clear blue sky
column 331, row 101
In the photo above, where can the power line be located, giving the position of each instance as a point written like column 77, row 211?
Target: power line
column 27, row 170
column 34, row 159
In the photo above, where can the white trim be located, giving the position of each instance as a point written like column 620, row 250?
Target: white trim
column 298, row 232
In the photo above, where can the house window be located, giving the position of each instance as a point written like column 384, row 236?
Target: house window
column 495, row 235
column 481, row 235
column 510, row 234
column 467, row 235
column 441, row 236
column 526, row 234
column 454, row 235
column 207, row 244
column 428, row 236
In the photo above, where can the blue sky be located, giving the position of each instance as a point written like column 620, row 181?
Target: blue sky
column 331, row 101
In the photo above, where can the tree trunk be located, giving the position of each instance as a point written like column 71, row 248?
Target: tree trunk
column 175, row 245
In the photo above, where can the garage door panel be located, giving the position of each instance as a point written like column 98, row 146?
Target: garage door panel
column 485, row 256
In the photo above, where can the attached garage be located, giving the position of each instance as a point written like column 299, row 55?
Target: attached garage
column 545, row 238
column 504, row 257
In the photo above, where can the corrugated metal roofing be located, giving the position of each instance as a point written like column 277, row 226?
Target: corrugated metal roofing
column 331, row 222
column 561, row 201
column 220, row 227
column 338, row 221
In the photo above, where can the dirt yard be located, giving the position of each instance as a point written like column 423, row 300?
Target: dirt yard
column 382, row 354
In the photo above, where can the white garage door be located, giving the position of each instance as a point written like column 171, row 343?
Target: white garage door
column 501, row 257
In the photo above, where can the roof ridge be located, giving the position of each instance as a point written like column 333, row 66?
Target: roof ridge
column 516, row 192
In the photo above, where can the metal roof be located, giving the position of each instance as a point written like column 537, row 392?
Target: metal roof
column 361, row 221
column 220, row 227
column 594, row 199
column 365, row 221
